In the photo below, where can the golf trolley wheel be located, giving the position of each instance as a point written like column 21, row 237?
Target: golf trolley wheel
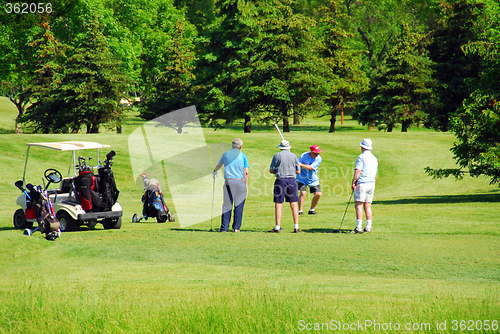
column 27, row 232
column 171, row 217
column 112, row 223
column 135, row 218
column 66, row 222
column 20, row 220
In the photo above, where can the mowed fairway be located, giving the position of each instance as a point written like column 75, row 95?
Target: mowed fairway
column 434, row 254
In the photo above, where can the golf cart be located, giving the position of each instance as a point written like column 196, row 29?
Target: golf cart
column 82, row 198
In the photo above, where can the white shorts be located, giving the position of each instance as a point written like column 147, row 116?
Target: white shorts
column 364, row 192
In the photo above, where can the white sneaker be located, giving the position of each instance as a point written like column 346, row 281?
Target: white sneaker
column 358, row 230
column 368, row 229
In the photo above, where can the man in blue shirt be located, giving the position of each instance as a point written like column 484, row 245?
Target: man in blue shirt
column 308, row 177
column 363, row 185
column 285, row 166
column 235, row 186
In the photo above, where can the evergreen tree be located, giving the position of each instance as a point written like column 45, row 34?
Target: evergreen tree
column 456, row 72
column 346, row 79
column 224, row 64
column 403, row 91
column 286, row 71
column 477, row 121
column 91, row 87
column 46, row 76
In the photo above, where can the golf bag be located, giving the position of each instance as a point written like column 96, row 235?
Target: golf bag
column 96, row 193
column 87, row 187
column 107, row 184
column 40, row 207
column 153, row 203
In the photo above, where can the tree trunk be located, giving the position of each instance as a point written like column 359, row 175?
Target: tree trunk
column 95, row 128
column 296, row 118
column 248, row 124
column 286, row 124
column 229, row 120
column 390, row 126
column 333, row 120
column 405, row 125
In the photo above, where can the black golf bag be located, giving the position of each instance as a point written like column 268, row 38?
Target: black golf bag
column 96, row 193
column 153, row 203
column 41, row 206
column 107, row 188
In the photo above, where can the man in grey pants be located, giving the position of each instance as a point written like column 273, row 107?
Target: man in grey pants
column 285, row 166
column 235, row 187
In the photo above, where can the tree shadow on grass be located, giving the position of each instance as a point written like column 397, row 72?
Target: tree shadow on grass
column 8, row 229
column 445, row 199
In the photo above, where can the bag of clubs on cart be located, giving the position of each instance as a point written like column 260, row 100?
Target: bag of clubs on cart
column 153, row 204
column 39, row 209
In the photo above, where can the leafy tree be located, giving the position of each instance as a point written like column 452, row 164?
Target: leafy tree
column 403, row 92
column 172, row 88
column 377, row 24
column 17, row 59
column 477, row 152
column 199, row 12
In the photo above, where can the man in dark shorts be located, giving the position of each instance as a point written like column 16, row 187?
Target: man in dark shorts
column 285, row 166
column 308, row 177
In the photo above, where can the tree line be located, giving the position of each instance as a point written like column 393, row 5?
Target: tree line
column 391, row 63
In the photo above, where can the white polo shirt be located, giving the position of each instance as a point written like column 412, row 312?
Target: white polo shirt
column 368, row 164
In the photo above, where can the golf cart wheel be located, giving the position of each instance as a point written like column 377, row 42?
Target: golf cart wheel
column 27, row 232
column 135, row 218
column 171, row 217
column 112, row 223
column 66, row 222
column 20, row 222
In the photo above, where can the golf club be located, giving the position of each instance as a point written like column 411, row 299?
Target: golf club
column 277, row 128
column 338, row 231
column 213, row 199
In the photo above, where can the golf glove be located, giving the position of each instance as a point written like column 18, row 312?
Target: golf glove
column 214, row 174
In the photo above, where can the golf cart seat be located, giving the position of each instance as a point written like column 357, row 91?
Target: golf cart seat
column 66, row 185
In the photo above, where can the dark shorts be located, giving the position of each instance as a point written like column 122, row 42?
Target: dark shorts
column 285, row 189
column 312, row 189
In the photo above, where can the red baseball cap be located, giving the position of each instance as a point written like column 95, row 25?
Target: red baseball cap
column 315, row 149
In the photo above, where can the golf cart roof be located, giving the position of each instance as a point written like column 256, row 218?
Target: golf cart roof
column 70, row 145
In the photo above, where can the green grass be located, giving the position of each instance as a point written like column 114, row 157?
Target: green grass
column 433, row 255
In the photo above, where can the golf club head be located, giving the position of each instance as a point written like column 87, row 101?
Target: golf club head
column 19, row 184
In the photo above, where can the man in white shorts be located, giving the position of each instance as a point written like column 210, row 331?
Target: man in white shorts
column 363, row 185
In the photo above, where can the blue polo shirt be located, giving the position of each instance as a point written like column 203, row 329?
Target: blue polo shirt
column 234, row 163
column 306, row 176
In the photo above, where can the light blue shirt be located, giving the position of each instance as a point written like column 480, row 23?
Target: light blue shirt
column 368, row 164
column 234, row 163
column 306, row 176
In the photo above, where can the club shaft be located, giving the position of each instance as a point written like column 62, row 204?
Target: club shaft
column 277, row 128
column 346, row 210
